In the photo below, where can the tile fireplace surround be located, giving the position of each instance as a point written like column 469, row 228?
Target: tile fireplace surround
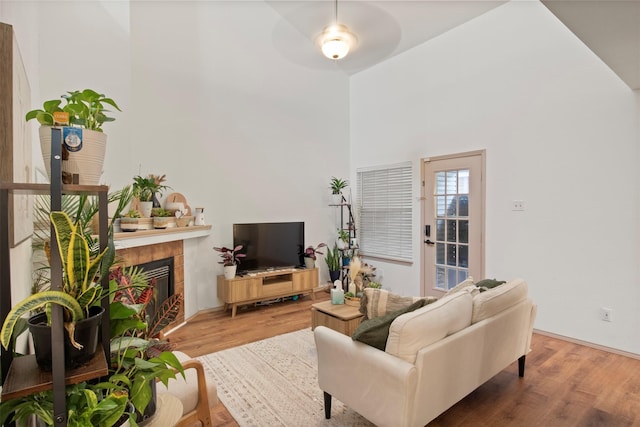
column 141, row 247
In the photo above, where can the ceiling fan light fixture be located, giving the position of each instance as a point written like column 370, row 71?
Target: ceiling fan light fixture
column 336, row 41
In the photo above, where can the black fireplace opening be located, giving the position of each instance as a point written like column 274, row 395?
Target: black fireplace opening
column 160, row 271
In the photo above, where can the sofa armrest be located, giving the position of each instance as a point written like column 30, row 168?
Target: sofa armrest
column 375, row 384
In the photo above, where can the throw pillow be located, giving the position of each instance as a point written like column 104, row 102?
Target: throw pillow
column 460, row 286
column 378, row 302
column 374, row 332
column 486, row 284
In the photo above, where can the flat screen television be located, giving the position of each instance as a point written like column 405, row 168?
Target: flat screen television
column 269, row 245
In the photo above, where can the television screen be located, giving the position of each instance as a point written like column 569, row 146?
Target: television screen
column 269, row 245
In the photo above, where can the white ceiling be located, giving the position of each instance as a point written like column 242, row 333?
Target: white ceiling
column 610, row 28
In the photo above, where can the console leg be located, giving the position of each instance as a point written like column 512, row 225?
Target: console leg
column 521, row 366
column 327, row 405
column 233, row 310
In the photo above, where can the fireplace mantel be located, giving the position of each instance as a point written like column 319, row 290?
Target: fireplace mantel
column 139, row 238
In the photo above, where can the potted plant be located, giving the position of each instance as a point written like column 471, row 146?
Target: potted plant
column 145, row 189
column 162, row 218
column 129, row 222
column 310, row 255
column 333, row 262
column 337, row 185
column 79, row 298
column 87, row 405
column 84, row 143
column 230, row 260
column 343, row 239
column 138, row 356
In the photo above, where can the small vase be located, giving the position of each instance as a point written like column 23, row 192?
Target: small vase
column 309, row 262
column 230, row 271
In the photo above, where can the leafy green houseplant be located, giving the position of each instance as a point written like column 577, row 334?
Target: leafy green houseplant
column 145, row 187
column 138, row 355
column 83, row 142
column 337, row 185
column 86, row 109
column 333, row 262
column 87, row 405
column 80, row 291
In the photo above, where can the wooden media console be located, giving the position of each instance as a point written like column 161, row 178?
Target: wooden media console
column 279, row 283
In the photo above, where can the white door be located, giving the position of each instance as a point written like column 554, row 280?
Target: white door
column 452, row 221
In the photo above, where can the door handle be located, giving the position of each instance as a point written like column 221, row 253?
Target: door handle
column 429, row 242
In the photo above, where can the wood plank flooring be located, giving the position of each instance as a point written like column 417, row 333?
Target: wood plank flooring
column 565, row 384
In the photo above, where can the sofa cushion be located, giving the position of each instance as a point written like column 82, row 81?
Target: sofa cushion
column 374, row 332
column 413, row 331
column 378, row 302
column 493, row 301
column 460, row 286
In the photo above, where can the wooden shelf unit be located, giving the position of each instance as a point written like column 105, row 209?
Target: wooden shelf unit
column 21, row 376
column 258, row 287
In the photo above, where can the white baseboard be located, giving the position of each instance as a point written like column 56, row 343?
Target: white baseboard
column 589, row 344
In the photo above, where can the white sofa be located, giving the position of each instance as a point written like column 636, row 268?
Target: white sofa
column 434, row 356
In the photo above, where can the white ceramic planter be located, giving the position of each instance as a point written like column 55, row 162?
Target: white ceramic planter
column 146, row 208
column 230, row 271
column 309, row 262
column 87, row 162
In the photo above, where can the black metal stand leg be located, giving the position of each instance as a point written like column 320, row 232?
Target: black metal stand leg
column 327, row 405
column 521, row 366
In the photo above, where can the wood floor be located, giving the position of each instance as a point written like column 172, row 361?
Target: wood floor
column 565, row 384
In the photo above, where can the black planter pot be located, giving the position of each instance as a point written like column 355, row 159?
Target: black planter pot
column 334, row 275
column 86, row 334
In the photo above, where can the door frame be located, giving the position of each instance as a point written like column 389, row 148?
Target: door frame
column 482, row 154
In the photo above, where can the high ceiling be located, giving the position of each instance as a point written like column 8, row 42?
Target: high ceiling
column 610, row 28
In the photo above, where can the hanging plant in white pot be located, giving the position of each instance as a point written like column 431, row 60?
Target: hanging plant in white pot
column 83, row 142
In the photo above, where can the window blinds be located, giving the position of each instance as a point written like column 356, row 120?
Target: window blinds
column 385, row 209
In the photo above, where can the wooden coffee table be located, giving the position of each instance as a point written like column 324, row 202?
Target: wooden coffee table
column 342, row 318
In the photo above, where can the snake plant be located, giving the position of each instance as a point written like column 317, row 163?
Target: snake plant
column 81, row 287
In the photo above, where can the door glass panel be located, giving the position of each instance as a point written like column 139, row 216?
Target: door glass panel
column 463, row 209
column 440, row 253
column 452, row 280
column 463, row 256
column 452, row 233
column 440, row 276
column 451, row 206
column 451, row 255
column 451, row 197
column 463, row 231
column 452, row 182
column 440, row 230
column 440, row 186
column 440, row 207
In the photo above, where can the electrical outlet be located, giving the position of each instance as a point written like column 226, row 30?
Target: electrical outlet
column 606, row 314
column 517, row 205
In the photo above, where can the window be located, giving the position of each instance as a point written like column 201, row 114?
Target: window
column 385, row 209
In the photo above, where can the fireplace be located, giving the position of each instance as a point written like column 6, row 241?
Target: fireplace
column 159, row 258
column 160, row 271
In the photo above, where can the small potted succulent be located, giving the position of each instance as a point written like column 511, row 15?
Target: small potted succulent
column 162, row 218
column 129, row 222
column 230, row 260
column 310, row 255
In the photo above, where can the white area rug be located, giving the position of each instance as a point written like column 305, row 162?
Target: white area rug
column 274, row 382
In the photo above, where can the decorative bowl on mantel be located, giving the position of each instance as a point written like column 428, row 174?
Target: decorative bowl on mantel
column 184, row 221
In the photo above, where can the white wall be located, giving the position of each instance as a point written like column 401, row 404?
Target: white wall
column 561, row 133
column 208, row 101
